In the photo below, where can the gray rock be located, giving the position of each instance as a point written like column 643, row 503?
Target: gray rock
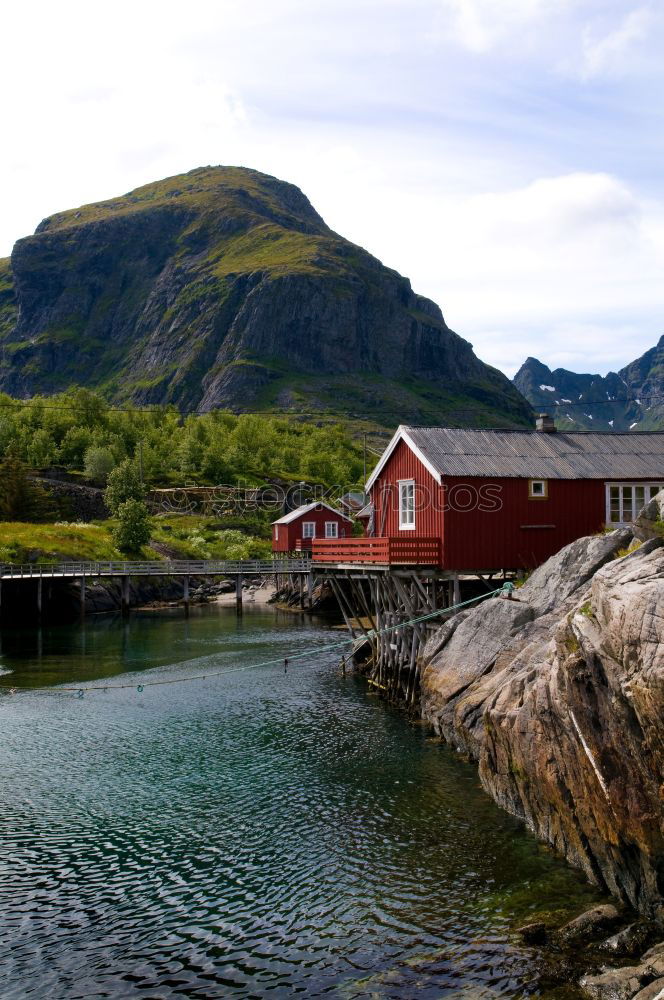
column 655, row 991
column 650, row 520
column 589, row 925
column 632, row 940
column 562, row 705
column 625, row 984
column 535, row 933
column 571, row 569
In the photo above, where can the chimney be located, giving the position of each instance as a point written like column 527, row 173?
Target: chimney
column 544, row 424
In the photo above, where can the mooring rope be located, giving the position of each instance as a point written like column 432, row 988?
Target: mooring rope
column 281, row 660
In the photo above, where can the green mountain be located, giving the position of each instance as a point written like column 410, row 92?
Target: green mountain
column 223, row 287
column 631, row 399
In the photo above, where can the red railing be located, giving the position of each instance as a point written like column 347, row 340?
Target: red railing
column 397, row 551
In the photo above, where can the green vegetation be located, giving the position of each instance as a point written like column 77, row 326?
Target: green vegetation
column 632, row 547
column 176, row 537
column 80, row 432
column 212, row 448
column 133, row 527
column 21, row 499
column 21, row 543
column 98, row 463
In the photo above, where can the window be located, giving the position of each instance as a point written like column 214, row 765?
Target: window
column 625, row 500
column 538, row 489
column 276, row 532
column 331, row 529
column 308, row 529
column 407, row 504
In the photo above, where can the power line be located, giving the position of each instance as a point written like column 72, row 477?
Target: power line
column 281, row 660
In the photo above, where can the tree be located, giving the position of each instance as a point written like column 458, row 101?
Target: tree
column 99, row 463
column 133, row 527
column 21, row 499
column 124, row 483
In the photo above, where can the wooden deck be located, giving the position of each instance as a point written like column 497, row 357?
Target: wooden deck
column 393, row 551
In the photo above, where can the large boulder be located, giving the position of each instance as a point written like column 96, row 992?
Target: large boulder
column 650, row 521
column 559, row 694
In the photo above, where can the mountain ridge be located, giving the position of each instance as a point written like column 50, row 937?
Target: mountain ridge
column 223, row 287
column 630, row 399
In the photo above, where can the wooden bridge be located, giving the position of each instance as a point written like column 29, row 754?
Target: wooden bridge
column 237, row 569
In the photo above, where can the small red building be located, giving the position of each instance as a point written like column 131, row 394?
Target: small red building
column 491, row 500
column 298, row 529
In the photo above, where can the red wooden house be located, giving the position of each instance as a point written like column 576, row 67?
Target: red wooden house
column 491, row 500
column 298, row 529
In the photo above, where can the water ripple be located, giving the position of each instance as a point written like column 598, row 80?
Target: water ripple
column 253, row 835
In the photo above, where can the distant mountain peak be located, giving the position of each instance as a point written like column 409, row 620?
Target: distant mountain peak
column 631, row 399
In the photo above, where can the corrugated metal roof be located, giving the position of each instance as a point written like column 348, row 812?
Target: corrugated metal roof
column 306, row 509
column 537, row 455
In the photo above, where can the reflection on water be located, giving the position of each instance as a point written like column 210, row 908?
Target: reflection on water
column 257, row 834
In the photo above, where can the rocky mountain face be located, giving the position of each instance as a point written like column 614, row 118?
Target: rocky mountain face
column 223, row 287
column 559, row 695
column 631, row 399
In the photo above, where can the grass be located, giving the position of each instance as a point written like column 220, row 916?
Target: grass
column 24, row 542
column 178, row 537
column 8, row 308
column 636, row 544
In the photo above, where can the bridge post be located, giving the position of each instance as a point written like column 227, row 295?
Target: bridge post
column 301, row 589
column 39, row 598
column 185, row 595
column 82, row 599
column 238, row 593
column 310, row 589
column 125, row 596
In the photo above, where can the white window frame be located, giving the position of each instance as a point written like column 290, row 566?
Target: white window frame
column 306, row 525
column 532, row 495
column 276, row 532
column 331, row 529
column 649, row 491
column 405, row 524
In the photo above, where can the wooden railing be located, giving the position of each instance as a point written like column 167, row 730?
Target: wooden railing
column 394, row 551
column 167, row 567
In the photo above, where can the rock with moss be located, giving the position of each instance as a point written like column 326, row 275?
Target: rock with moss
column 224, row 287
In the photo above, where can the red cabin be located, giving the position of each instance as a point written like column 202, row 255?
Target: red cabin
column 490, row 500
column 298, row 529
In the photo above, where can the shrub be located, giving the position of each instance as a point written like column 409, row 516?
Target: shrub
column 134, row 525
column 124, row 483
column 98, row 463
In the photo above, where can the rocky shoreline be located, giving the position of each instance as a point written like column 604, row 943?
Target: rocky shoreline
column 558, row 694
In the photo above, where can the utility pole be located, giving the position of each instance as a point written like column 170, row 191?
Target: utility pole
column 140, row 460
column 365, row 460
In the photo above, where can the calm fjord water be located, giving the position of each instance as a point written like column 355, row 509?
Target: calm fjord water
column 255, row 834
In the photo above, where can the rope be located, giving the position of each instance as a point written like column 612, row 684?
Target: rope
column 372, row 634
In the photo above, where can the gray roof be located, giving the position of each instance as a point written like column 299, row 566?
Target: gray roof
column 538, row 455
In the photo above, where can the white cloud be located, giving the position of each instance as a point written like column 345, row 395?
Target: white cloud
column 443, row 135
column 479, row 25
column 607, row 52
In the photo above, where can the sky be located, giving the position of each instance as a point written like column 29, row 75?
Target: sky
column 505, row 155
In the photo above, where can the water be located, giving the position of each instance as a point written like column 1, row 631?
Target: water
column 255, row 834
